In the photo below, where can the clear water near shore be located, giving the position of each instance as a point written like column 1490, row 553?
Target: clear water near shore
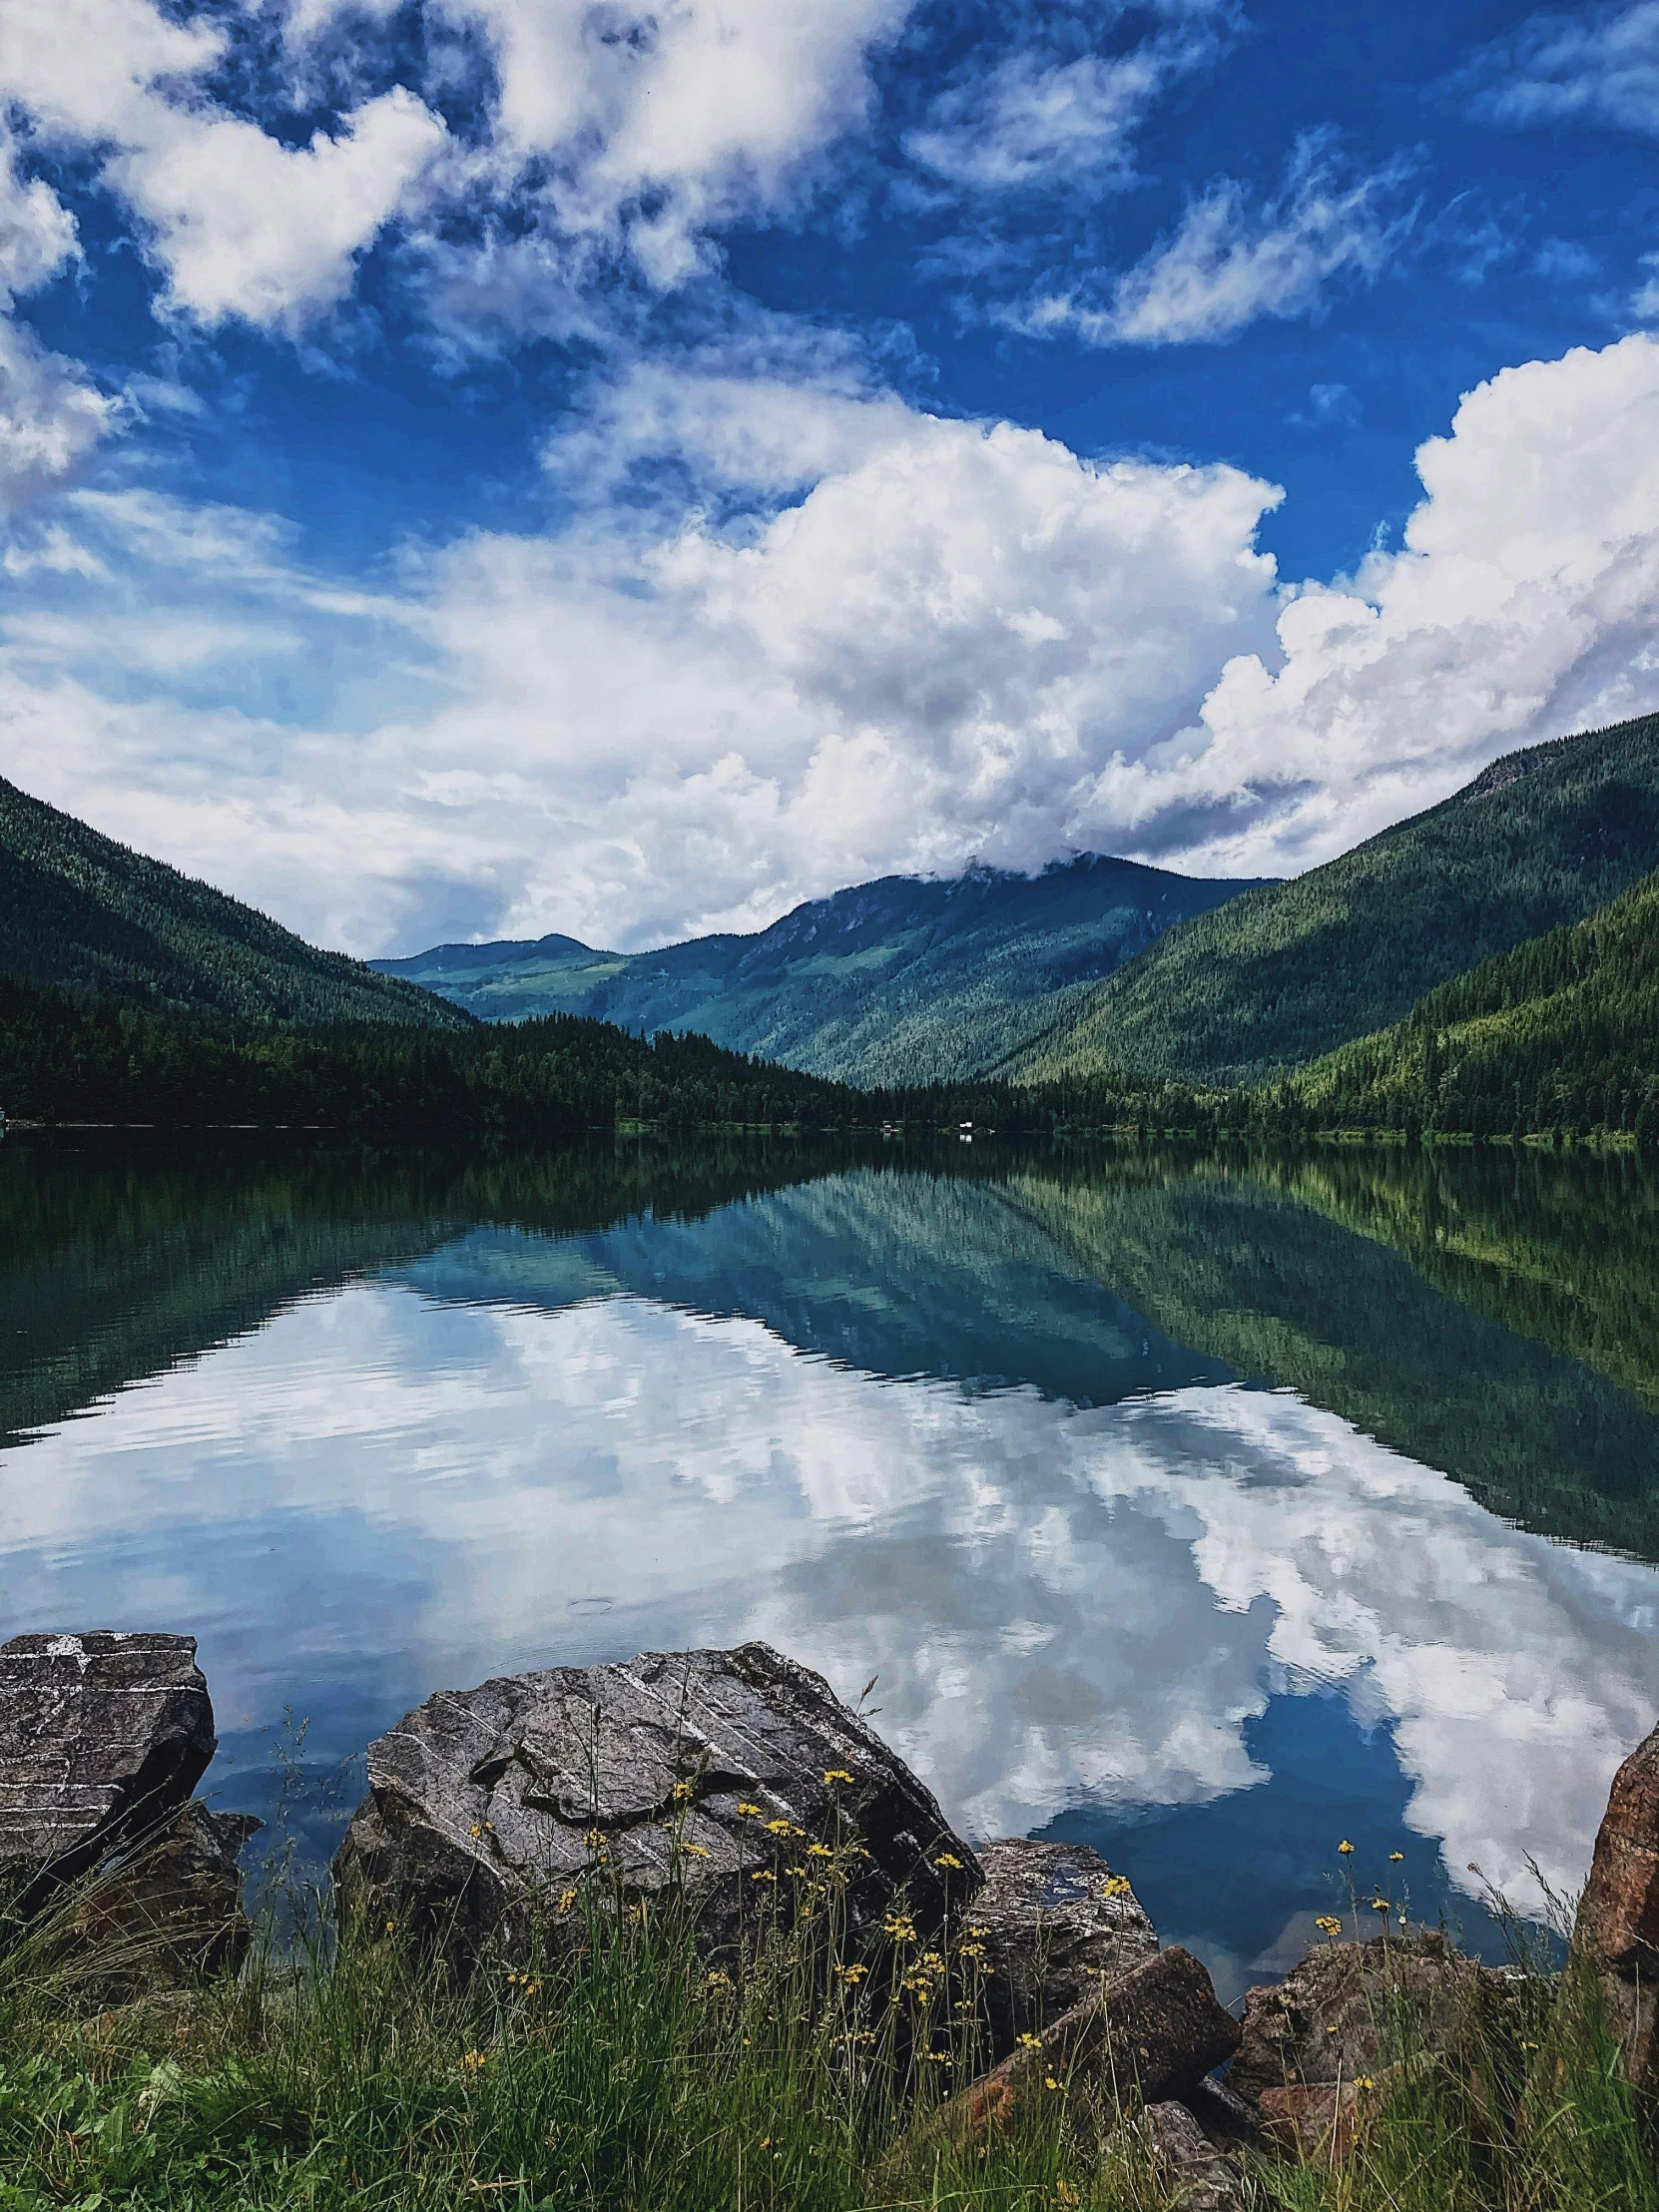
column 1210, row 1510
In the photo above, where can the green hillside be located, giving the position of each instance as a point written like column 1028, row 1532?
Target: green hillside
column 1287, row 972
column 79, row 910
column 1562, row 1032
column 897, row 981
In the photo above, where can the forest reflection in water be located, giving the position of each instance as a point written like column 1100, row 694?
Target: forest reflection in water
column 1174, row 1500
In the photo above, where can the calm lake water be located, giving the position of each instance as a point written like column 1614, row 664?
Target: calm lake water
column 1209, row 1510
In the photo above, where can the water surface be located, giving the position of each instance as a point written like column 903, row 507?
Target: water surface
column 1209, row 1510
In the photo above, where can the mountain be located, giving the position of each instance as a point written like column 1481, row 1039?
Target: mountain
column 1288, row 972
column 1563, row 1031
column 899, row 980
column 79, row 910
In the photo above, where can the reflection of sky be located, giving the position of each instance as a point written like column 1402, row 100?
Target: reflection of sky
column 1101, row 1611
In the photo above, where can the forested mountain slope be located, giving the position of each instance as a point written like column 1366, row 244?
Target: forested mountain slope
column 80, row 910
column 1287, row 972
column 1562, row 1032
column 895, row 981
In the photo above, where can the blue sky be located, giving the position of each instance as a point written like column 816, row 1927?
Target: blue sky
column 503, row 465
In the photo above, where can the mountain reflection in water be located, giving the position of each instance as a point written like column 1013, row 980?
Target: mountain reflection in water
column 1171, row 1500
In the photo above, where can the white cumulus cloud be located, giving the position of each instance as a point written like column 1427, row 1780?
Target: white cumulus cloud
column 246, row 227
column 860, row 639
column 50, row 416
column 1524, row 602
column 241, row 225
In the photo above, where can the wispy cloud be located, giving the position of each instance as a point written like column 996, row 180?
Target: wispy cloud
column 1039, row 118
column 1231, row 262
column 1597, row 67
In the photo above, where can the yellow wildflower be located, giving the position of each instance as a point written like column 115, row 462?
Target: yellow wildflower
column 853, row 1974
column 819, row 1851
column 1033, row 2043
column 948, row 1858
column 473, row 2061
column 1379, row 1905
column 1395, row 1856
column 763, row 1874
column 750, row 1812
column 1328, row 1926
column 836, row 1773
column 594, row 1837
column 1049, row 2082
column 901, row 1927
column 1116, row 1886
column 567, row 1898
column 1364, row 2081
column 695, row 1851
column 1346, row 1847
column 681, row 1792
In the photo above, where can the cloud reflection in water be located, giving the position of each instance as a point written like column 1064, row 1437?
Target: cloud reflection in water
column 379, row 1494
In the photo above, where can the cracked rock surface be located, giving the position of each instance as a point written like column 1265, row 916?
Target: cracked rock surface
column 491, row 1809
column 1058, row 1923
column 102, row 1735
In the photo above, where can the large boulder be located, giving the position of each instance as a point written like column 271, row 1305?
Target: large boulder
column 1055, row 1923
column 102, row 1736
column 723, row 1777
column 1617, row 1929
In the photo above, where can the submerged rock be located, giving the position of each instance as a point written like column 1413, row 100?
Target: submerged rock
column 1150, row 2034
column 1617, row 1929
column 725, row 1775
column 1057, row 1923
column 102, row 1735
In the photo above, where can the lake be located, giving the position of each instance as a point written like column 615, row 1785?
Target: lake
column 1207, row 1509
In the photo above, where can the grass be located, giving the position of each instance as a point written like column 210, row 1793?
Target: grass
column 626, row 2073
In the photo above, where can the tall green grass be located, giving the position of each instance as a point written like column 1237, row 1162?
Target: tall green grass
column 623, row 2071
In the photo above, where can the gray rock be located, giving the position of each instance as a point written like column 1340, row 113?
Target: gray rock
column 1228, row 2122
column 102, row 1735
column 167, row 1911
column 1152, row 2034
column 491, row 1810
column 1197, row 2176
column 1337, row 2015
column 1057, row 1922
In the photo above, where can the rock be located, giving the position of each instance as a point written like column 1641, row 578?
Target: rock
column 1228, row 2122
column 490, row 1810
column 1336, row 2018
column 1056, row 1922
column 1198, row 2177
column 1152, row 2034
column 1617, row 1929
column 169, row 1912
column 102, row 1735
column 1312, row 2122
